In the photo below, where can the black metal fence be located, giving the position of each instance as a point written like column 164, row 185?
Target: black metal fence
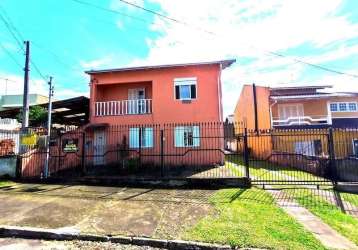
column 192, row 150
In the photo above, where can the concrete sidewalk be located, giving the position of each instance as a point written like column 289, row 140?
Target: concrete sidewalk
column 153, row 213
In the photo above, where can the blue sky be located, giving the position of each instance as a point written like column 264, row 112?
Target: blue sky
column 69, row 37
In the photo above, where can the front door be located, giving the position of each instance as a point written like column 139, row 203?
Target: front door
column 136, row 102
column 99, row 146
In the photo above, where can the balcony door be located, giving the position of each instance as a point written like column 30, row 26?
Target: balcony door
column 290, row 111
column 136, row 103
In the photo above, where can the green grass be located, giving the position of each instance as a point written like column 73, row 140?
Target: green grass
column 330, row 214
column 4, row 183
column 351, row 198
column 250, row 218
column 264, row 170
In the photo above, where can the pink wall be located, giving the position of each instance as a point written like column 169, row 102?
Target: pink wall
column 207, row 106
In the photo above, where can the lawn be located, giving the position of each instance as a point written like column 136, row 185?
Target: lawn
column 250, row 218
column 330, row 214
column 4, row 183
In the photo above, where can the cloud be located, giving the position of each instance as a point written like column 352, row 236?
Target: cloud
column 248, row 30
column 100, row 62
column 15, row 85
column 69, row 93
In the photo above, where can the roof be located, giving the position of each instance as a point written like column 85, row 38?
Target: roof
column 303, row 87
column 73, row 111
column 313, row 96
column 223, row 63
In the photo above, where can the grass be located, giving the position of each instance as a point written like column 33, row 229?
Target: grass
column 330, row 214
column 4, row 183
column 351, row 198
column 250, row 218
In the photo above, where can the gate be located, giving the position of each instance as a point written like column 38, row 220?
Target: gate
column 299, row 156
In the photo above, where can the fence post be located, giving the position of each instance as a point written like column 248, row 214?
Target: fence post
column 140, row 146
column 246, row 155
column 332, row 156
column 161, row 153
column 83, row 156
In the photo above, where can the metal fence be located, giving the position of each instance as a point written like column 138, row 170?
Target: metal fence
column 196, row 150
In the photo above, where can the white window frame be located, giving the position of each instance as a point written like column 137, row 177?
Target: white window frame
column 134, row 142
column 188, row 81
column 299, row 107
column 179, row 136
column 347, row 105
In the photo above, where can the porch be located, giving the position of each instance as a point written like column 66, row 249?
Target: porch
column 122, row 99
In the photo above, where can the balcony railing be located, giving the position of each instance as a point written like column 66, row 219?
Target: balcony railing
column 300, row 120
column 124, row 107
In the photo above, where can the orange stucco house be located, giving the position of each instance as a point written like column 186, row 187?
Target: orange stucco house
column 133, row 106
column 293, row 111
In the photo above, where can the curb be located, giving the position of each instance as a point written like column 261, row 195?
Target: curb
column 57, row 234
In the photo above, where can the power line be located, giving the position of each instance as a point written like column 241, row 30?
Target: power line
column 10, row 55
column 212, row 33
column 11, row 28
column 167, row 17
column 109, row 10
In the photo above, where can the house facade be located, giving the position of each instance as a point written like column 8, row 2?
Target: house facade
column 139, row 102
column 289, row 109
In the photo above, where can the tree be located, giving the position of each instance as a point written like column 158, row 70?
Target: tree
column 37, row 116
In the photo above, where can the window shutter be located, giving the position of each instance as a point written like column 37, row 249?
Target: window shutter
column 193, row 91
column 177, row 93
column 148, row 133
column 134, row 137
column 179, row 137
column 196, row 135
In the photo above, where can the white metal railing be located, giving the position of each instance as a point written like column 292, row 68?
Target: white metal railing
column 300, row 120
column 124, row 107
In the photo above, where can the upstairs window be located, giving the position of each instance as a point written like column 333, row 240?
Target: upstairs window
column 185, row 88
column 334, row 107
column 343, row 107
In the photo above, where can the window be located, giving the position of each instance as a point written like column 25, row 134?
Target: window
column 343, row 107
column 187, row 136
column 352, row 106
column 310, row 148
column 146, row 137
column 185, row 88
column 355, row 147
column 334, row 107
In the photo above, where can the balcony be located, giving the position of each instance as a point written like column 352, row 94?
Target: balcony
column 300, row 120
column 123, row 107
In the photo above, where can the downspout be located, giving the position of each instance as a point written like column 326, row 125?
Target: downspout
column 271, row 118
column 255, row 108
column 219, row 95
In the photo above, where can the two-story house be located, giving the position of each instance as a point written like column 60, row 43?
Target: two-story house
column 137, row 100
column 290, row 109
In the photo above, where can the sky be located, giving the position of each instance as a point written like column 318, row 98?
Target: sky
column 69, row 36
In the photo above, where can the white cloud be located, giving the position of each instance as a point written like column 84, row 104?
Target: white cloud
column 100, row 62
column 15, row 85
column 250, row 29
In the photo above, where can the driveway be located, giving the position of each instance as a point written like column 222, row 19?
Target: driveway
column 158, row 213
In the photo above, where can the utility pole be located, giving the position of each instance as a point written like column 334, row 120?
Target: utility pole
column 49, row 112
column 25, row 103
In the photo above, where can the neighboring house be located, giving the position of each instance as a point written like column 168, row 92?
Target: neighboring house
column 15, row 101
column 143, row 97
column 303, row 108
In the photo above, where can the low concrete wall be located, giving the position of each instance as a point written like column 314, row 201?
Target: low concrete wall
column 8, row 166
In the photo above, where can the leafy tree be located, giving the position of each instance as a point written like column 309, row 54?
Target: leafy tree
column 37, row 116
